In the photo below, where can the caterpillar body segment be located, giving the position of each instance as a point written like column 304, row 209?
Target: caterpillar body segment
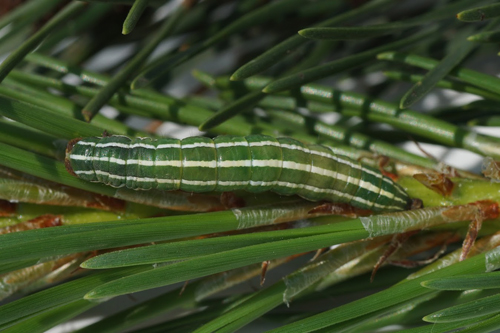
column 254, row 163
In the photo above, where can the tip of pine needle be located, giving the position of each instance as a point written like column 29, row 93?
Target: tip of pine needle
column 424, row 284
column 234, row 77
column 90, row 296
column 303, row 32
column 87, row 115
column 138, row 83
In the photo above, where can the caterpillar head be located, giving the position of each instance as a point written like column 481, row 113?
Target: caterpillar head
column 415, row 204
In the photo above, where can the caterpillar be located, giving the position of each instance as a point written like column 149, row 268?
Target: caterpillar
column 255, row 163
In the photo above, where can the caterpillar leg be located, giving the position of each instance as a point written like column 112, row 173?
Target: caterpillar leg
column 230, row 200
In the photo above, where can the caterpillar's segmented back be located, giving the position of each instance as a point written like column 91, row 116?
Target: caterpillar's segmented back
column 254, row 163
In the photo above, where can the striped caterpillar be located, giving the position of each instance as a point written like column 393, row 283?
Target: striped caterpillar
column 253, row 163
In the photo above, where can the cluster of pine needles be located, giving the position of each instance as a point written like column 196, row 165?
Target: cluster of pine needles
column 224, row 262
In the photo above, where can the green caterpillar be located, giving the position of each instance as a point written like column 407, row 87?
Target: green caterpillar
column 254, row 163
